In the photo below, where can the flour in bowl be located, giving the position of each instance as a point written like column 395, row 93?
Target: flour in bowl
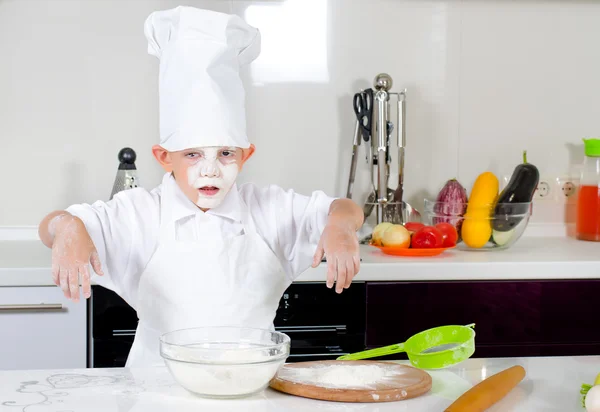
column 223, row 373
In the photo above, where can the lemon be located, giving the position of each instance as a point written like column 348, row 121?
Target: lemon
column 597, row 381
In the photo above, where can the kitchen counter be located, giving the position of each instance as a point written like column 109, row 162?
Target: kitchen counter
column 551, row 384
column 27, row 263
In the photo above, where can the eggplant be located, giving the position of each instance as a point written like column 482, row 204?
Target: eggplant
column 451, row 205
column 514, row 201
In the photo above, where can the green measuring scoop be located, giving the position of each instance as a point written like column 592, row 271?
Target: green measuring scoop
column 435, row 348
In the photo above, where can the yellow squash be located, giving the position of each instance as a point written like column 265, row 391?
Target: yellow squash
column 477, row 226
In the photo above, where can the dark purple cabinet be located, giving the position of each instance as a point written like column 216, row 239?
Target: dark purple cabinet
column 513, row 318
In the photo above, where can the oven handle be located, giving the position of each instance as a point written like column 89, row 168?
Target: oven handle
column 304, row 355
column 328, row 328
column 28, row 307
column 287, row 329
column 124, row 332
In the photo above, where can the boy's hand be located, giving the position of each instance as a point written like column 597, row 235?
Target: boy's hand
column 339, row 243
column 72, row 251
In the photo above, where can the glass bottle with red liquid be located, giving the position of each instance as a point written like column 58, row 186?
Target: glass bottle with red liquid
column 588, row 199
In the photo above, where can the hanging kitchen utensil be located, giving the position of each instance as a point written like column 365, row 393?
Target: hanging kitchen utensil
column 372, row 199
column 127, row 173
column 401, row 143
column 363, row 108
column 355, row 146
column 411, row 214
column 372, row 110
column 435, row 348
column 380, row 138
column 395, row 213
column 363, row 105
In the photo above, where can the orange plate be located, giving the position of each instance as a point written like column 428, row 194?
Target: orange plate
column 397, row 251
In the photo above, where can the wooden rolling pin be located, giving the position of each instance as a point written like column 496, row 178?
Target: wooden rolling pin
column 488, row 392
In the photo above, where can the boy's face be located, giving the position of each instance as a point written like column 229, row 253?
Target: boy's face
column 204, row 174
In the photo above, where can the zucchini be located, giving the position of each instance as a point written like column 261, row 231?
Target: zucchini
column 477, row 229
column 502, row 238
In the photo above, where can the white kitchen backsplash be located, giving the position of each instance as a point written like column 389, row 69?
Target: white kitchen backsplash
column 485, row 80
column 19, row 233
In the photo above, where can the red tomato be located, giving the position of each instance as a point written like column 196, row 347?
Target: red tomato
column 413, row 226
column 449, row 232
column 427, row 237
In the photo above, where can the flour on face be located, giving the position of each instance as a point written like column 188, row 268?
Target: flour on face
column 212, row 174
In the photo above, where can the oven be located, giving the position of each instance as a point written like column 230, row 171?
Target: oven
column 321, row 324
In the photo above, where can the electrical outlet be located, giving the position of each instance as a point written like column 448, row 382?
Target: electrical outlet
column 567, row 187
column 543, row 190
column 554, row 199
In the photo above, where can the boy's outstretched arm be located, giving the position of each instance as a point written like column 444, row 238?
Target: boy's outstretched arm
column 72, row 251
column 339, row 243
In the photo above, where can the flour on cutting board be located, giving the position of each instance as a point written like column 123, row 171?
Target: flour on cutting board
column 360, row 377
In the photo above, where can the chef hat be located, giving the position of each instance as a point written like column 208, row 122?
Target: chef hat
column 200, row 90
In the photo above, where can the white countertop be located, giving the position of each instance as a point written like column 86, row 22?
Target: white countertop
column 551, row 384
column 27, row 263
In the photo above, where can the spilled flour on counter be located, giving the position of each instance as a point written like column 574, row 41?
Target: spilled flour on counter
column 341, row 376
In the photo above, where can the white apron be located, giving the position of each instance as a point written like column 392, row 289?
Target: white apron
column 209, row 282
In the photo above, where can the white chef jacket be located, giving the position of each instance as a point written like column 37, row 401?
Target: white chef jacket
column 125, row 230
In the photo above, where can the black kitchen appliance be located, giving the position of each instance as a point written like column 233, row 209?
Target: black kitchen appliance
column 321, row 323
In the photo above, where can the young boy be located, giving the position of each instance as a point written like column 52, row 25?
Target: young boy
column 198, row 250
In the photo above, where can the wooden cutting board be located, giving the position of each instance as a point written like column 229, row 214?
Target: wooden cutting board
column 319, row 380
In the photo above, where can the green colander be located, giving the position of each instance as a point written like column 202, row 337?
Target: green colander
column 435, row 348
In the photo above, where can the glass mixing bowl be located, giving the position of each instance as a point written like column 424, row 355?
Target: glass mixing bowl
column 505, row 228
column 224, row 362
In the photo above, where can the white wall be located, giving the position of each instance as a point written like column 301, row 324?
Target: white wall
column 485, row 79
